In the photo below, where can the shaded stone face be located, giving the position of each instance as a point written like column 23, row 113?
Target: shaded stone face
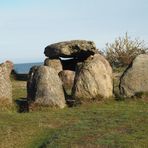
column 31, row 83
column 135, row 78
column 67, row 78
column 5, row 83
column 79, row 49
column 46, row 87
column 93, row 80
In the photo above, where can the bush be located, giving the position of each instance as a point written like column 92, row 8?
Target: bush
column 124, row 50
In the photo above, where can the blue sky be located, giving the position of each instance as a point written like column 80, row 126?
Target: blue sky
column 28, row 26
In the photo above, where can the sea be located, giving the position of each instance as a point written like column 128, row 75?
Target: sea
column 24, row 68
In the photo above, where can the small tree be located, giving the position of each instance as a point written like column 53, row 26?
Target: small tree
column 124, row 50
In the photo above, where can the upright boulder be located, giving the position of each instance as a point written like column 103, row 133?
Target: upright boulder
column 46, row 86
column 5, row 83
column 135, row 78
column 54, row 63
column 93, row 80
column 31, row 83
column 67, row 78
column 77, row 48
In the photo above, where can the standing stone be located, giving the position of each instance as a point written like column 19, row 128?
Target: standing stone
column 67, row 78
column 93, row 80
column 54, row 63
column 31, row 84
column 135, row 78
column 5, row 83
column 47, row 87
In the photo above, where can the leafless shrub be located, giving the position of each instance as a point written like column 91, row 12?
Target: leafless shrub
column 124, row 50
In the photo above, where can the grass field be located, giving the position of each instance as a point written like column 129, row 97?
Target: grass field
column 111, row 124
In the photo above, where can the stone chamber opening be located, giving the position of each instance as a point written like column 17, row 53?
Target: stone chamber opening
column 70, row 62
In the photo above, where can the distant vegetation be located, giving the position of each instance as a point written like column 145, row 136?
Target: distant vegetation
column 123, row 50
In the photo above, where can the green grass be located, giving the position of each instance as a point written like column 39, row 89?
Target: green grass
column 111, row 124
column 19, row 89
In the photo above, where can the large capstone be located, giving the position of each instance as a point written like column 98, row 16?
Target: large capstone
column 135, row 79
column 45, row 87
column 79, row 49
column 93, row 80
column 5, row 83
